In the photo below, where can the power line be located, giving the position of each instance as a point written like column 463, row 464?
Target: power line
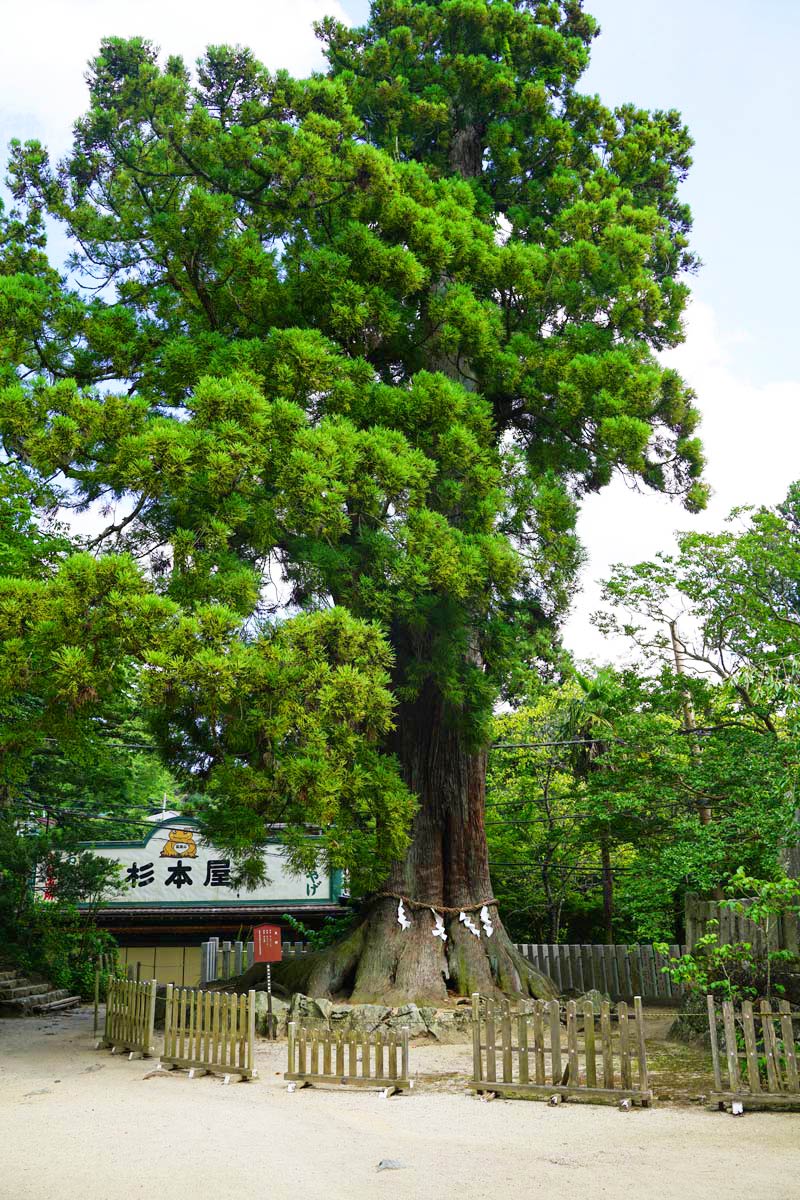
column 656, row 806
column 564, row 742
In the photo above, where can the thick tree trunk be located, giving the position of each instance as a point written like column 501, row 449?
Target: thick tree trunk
column 446, row 868
column 608, row 893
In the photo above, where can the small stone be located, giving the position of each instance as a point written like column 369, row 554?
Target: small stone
column 593, row 997
column 391, row 1164
column 410, row 1017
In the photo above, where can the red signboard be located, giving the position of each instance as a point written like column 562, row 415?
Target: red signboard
column 267, row 943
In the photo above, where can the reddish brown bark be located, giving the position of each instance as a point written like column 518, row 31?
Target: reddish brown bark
column 446, row 867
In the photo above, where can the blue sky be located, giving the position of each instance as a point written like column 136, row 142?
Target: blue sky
column 728, row 65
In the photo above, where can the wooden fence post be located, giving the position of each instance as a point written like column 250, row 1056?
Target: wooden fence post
column 477, row 1068
column 96, row 1000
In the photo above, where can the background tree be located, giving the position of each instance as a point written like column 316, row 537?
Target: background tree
column 366, row 340
column 558, row 832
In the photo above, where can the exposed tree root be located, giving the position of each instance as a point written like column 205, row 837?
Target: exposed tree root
column 378, row 962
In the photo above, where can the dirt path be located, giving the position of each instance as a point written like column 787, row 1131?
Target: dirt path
column 82, row 1125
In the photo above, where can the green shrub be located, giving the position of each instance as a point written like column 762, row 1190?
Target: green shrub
column 332, row 929
column 62, row 944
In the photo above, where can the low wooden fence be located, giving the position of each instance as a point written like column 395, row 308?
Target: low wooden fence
column 227, row 960
column 620, row 972
column 130, row 1016
column 357, row 1059
column 104, row 963
column 209, row 1032
column 540, row 1058
column 753, row 1069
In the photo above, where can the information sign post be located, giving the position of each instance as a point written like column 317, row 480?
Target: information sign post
column 267, row 949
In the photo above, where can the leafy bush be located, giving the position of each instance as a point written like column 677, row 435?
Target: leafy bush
column 332, row 929
column 734, row 971
column 61, row 943
column 53, row 938
column 738, row 970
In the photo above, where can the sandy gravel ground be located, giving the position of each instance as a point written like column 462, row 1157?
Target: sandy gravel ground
column 79, row 1124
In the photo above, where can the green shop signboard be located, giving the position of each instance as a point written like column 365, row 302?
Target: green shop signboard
column 175, row 865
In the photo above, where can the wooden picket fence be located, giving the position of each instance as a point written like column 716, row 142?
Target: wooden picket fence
column 209, row 1032
column 130, row 1016
column 104, row 963
column 748, row 1069
column 733, row 925
column 541, row 1058
column 227, row 960
column 371, row 1059
column 620, row 972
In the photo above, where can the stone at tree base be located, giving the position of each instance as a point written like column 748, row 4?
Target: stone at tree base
column 448, row 1025
column 280, row 1009
column 408, row 1016
column 315, row 1014
column 593, row 997
column 445, row 1025
column 524, row 1005
column 366, row 1018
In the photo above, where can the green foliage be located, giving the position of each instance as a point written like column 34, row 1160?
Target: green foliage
column 739, row 970
column 332, row 930
column 53, row 938
column 732, row 971
column 635, row 789
column 732, row 599
column 63, row 944
column 337, row 359
column 302, row 752
column 331, row 362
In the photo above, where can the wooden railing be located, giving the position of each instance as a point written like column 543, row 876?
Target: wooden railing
column 620, row 972
column 539, row 1057
column 752, row 1066
column 130, row 1016
column 357, row 1059
column 209, row 1032
column 227, row 960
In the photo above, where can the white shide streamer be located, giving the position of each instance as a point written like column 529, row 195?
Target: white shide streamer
column 470, row 924
column 438, row 929
column 402, row 919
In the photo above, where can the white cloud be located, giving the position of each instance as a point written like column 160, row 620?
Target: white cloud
column 750, row 432
column 42, row 67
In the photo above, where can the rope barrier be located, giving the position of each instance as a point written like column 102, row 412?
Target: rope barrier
column 429, row 904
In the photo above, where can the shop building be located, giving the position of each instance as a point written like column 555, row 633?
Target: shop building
column 177, row 892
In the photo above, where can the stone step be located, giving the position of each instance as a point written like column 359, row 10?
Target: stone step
column 6, row 975
column 41, row 1000
column 65, row 1002
column 20, row 988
